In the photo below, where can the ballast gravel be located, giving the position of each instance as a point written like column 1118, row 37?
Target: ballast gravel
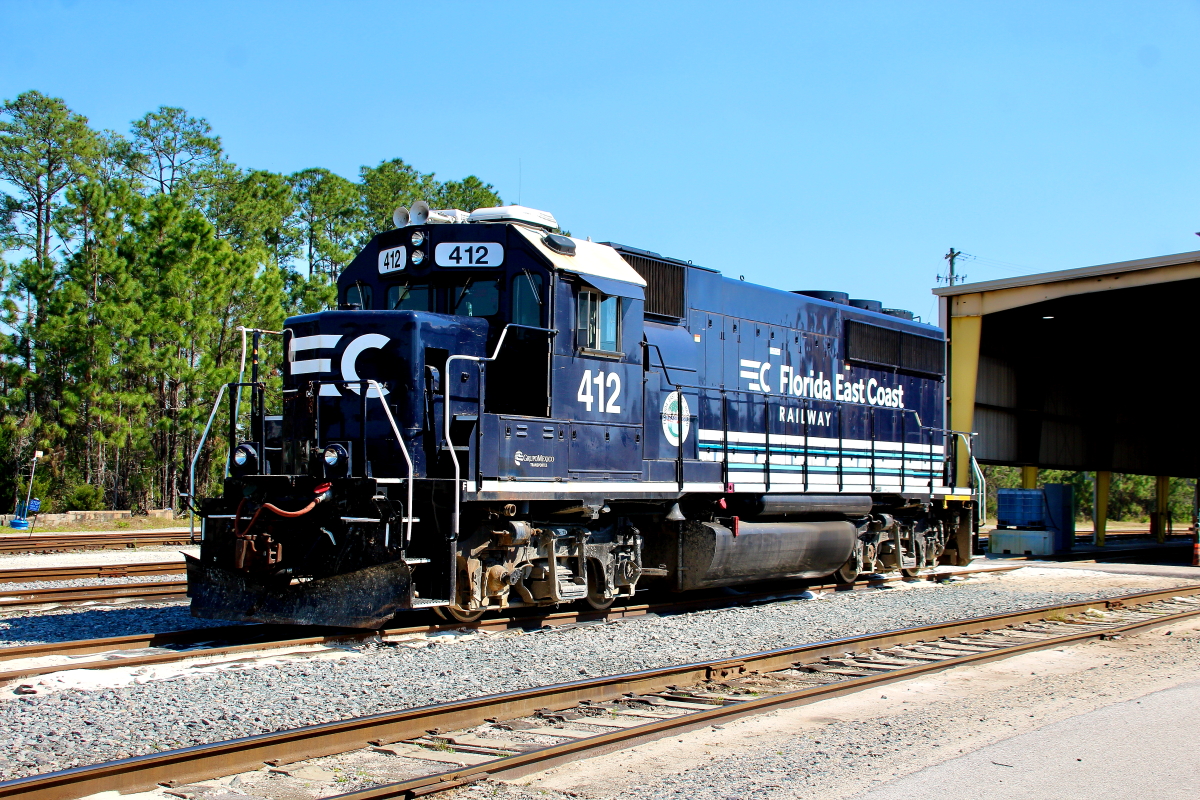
column 79, row 583
column 98, row 622
column 73, row 727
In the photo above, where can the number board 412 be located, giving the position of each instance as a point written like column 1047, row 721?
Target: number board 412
column 469, row 254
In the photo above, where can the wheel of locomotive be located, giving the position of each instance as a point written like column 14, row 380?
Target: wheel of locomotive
column 595, row 596
column 849, row 572
column 452, row 614
column 914, row 545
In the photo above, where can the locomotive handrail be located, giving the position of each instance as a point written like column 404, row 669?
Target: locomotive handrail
column 408, row 505
column 192, row 469
column 977, row 474
column 446, row 410
column 678, row 405
column 840, row 403
column 758, row 393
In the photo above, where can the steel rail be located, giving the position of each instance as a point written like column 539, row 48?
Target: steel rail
column 521, row 764
column 82, row 594
column 202, row 762
column 274, row 637
column 90, row 571
column 121, row 541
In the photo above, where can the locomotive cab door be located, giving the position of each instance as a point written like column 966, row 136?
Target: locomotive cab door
column 520, row 376
column 597, row 376
column 520, row 438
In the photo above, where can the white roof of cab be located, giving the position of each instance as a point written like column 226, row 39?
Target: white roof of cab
column 589, row 259
column 525, row 214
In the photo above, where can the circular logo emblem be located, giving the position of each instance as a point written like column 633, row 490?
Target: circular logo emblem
column 676, row 418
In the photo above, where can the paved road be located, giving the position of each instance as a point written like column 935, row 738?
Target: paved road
column 1128, row 751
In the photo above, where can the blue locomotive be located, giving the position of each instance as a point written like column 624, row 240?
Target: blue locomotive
column 498, row 415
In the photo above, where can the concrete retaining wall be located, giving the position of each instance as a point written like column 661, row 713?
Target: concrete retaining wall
column 78, row 517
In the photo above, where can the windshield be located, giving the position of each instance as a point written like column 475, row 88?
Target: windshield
column 475, row 297
column 412, row 296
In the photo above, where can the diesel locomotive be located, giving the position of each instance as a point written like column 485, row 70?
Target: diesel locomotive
column 498, row 415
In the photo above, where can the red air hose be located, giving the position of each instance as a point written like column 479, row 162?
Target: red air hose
column 320, row 491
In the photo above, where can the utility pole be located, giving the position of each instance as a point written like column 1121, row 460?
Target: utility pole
column 952, row 278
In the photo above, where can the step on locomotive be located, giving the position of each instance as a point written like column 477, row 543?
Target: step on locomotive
column 498, row 415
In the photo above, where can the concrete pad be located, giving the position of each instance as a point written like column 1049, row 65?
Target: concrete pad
column 1156, row 570
column 1139, row 748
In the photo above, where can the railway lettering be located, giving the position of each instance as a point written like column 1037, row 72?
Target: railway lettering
column 810, row 416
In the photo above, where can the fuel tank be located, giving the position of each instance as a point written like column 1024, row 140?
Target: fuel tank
column 711, row 554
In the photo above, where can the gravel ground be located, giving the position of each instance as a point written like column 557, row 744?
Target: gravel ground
column 98, row 622
column 73, row 727
column 29, row 586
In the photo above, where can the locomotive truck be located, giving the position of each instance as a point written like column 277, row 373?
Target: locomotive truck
column 498, row 415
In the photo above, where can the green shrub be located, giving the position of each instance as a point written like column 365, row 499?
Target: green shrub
column 84, row 497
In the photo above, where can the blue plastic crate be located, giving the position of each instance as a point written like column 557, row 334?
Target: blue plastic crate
column 1021, row 508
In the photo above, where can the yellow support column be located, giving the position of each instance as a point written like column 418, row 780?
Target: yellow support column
column 1029, row 477
column 1100, row 512
column 964, row 370
column 1162, row 493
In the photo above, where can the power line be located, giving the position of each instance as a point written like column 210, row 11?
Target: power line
column 954, row 256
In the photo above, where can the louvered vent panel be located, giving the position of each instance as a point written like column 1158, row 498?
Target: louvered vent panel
column 886, row 347
column 664, row 285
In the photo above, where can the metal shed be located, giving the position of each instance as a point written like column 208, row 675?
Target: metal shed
column 1080, row 369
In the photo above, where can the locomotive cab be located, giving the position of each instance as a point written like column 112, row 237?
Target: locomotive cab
column 444, row 335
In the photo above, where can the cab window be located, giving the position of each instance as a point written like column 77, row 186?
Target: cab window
column 527, row 297
column 414, row 296
column 475, row 297
column 598, row 322
column 359, row 295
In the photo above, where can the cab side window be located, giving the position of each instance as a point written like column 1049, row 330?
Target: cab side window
column 359, row 295
column 598, row 322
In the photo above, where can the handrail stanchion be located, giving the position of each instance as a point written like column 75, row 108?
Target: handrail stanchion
column 408, row 505
column 446, row 412
column 192, row 469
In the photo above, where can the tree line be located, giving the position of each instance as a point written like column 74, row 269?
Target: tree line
column 130, row 261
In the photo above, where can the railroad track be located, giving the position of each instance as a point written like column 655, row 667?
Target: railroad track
column 66, row 595
column 91, row 571
column 234, row 640
column 55, row 543
column 592, row 717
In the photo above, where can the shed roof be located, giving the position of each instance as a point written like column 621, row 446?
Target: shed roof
column 1069, row 274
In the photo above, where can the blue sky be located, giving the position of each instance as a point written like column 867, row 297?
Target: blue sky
column 836, row 146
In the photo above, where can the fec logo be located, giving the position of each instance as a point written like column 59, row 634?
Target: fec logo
column 676, row 417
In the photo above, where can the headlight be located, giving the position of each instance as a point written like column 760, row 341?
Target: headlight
column 337, row 461
column 245, row 460
column 333, row 455
column 418, row 238
column 418, row 256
